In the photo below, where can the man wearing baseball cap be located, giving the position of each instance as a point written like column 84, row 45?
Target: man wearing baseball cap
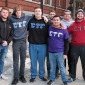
column 77, row 30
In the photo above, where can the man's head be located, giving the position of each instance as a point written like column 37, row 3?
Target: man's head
column 56, row 20
column 67, row 14
column 38, row 12
column 17, row 11
column 52, row 13
column 4, row 12
column 80, row 14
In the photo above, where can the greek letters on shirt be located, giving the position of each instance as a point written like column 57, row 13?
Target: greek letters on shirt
column 37, row 25
column 55, row 34
column 80, row 28
column 19, row 24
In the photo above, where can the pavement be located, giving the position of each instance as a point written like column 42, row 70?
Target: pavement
column 8, row 71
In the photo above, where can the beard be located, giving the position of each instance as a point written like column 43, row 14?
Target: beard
column 4, row 17
column 80, row 19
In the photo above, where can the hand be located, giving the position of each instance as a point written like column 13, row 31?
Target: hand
column 4, row 43
column 63, row 27
column 45, row 19
column 65, row 56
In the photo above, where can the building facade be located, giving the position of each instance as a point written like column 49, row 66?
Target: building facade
column 29, row 5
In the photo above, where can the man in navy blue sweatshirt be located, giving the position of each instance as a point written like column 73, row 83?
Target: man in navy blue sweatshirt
column 37, row 44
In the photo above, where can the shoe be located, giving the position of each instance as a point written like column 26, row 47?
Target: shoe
column 70, row 80
column 69, row 74
column 50, row 82
column 3, row 77
column 65, row 83
column 43, row 79
column 22, row 79
column 32, row 79
column 15, row 81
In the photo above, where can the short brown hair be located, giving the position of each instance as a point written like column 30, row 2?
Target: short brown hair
column 17, row 8
column 52, row 11
column 37, row 8
column 5, row 8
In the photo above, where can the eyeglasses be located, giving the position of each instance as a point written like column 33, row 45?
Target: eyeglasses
column 52, row 14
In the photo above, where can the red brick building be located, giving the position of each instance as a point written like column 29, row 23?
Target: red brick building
column 29, row 5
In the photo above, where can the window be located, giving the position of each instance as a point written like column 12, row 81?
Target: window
column 29, row 0
column 48, row 2
column 34, row 1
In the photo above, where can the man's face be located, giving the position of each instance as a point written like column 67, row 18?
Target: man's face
column 4, row 14
column 19, row 13
column 67, row 15
column 56, row 21
column 51, row 15
column 38, row 12
column 80, row 15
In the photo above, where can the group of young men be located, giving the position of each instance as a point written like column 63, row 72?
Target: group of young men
column 15, row 27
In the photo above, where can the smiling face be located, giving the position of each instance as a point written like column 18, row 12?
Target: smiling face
column 51, row 15
column 19, row 13
column 80, row 16
column 67, row 15
column 4, row 13
column 56, row 21
column 38, row 12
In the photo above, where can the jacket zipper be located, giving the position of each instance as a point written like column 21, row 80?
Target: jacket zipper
column 5, row 29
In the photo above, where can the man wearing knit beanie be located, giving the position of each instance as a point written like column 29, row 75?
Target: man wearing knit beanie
column 77, row 30
column 80, row 10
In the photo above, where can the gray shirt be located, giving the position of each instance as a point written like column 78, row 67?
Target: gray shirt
column 67, row 24
column 20, row 26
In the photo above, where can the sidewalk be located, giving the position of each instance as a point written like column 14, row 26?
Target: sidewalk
column 8, row 71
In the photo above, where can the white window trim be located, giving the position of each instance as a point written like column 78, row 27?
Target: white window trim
column 40, row 2
column 33, row 1
column 59, row 2
column 45, row 4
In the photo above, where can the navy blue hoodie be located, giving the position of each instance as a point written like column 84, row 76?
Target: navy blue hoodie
column 38, row 31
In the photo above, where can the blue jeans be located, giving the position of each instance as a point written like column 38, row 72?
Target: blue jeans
column 37, row 53
column 57, row 59
column 3, row 52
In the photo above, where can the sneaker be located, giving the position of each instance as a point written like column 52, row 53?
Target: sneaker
column 65, row 83
column 50, row 82
column 32, row 79
column 15, row 81
column 70, row 80
column 22, row 79
column 43, row 79
column 3, row 77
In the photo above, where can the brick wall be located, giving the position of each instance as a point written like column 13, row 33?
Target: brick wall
column 29, row 5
